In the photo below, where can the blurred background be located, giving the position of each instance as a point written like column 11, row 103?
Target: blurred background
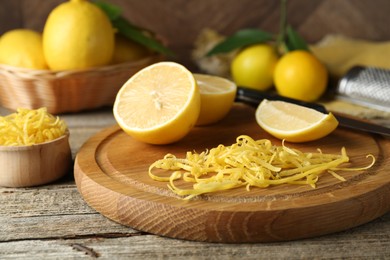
column 179, row 22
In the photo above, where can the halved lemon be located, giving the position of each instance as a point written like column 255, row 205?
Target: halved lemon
column 294, row 123
column 217, row 97
column 159, row 104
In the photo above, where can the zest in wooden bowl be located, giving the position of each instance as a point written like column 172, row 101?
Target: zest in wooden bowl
column 26, row 166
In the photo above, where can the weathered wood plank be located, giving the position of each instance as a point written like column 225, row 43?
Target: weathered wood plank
column 58, row 211
column 60, row 227
column 54, row 199
column 179, row 22
column 142, row 246
column 43, row 222
column 53, row 211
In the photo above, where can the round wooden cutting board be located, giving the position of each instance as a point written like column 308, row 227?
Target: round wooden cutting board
column 111, row 173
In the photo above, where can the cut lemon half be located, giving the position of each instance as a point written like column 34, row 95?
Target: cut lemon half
column 159, row 104
column 294, row 123
column 217, row 97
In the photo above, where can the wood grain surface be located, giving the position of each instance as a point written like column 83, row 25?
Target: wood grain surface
column 111, row 175
column 180, row 22
column 35, row 165
column 44, row 222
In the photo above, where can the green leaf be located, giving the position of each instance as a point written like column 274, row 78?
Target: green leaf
column 294, row 41
column 241, row 39
column 112, row 11
column 138, row 35
column 131, row 31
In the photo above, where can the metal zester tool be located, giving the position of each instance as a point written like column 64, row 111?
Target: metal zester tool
column 367, row 86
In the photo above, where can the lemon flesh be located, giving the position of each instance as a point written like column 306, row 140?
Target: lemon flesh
column 217, row 97
column 77, row 35
column 159, row 104
column 22, row 48
column 294, row 123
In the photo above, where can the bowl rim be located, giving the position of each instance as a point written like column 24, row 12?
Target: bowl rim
column 34, row 146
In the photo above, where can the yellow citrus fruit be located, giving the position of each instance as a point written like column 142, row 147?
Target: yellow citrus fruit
column 294, row 123
column 217, row 97
column 22, row 48
column 127, row 50
column 300, row 75
column 77, row 35
column 159, row 104
column 253, row 67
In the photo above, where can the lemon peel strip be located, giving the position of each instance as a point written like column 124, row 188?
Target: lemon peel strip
column 247, row 163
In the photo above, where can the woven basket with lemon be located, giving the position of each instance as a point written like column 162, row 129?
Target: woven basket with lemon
column 81, row 59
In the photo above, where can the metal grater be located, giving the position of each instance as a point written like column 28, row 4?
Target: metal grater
column 367, row 86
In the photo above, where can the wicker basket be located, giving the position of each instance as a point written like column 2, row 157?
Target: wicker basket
column 66, row 91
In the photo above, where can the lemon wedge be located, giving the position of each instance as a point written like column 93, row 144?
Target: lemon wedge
column 217, row 97
column 294, row 123
column 159, row 104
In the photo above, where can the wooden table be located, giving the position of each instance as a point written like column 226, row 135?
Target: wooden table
column 53, row 221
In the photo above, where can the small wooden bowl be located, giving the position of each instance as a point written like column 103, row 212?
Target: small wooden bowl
column 26, row 166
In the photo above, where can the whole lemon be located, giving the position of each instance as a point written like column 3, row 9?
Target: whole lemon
column 22, row 48
column 253, row 67
column 127, row 50
column 77, row 35
column 300, row 75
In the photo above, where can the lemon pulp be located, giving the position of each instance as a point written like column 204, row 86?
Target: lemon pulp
column 217, row 97
column 294, row 123
column 159, row 105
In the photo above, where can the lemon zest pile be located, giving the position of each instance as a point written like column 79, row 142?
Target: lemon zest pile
column 28, row 127
column 248, row 163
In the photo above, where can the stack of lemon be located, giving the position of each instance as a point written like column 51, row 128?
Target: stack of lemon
column 76, row 35
column 297, row 74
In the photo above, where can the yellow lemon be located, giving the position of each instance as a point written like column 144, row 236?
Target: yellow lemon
column 22, row 48
column 294, row 123
column 77, row 35
column 127, row 50
column 253, row 67
column 217, row 97
column 159, row 104
column 300, row 75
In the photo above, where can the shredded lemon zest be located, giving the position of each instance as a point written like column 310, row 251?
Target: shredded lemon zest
column 248, row 163
column 30, row 126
